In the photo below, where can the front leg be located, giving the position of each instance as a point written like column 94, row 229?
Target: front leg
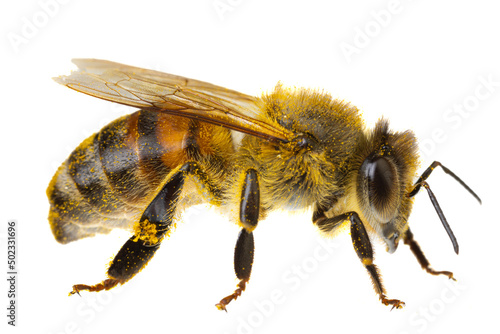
column 424, row 263
column 362, row 246
column 243, row 252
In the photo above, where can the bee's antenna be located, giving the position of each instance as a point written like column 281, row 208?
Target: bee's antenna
column 421, row 182
column 428, row 172
column 441, row 216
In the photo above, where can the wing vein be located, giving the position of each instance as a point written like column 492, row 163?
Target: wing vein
column 173, row 94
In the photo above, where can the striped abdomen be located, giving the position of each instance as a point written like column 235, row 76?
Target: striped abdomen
column 109, row 179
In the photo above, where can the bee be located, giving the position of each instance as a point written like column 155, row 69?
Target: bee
column 193, row 142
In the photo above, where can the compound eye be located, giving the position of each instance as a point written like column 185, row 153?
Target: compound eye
column 383, row 187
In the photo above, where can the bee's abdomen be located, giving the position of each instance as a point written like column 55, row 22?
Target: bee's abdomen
column 119, row 158
column 109, row 178
column 76, row 195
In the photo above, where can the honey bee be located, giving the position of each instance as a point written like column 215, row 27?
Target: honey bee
column 193, row 142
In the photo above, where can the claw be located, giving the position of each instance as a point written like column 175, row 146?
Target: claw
column 226, row 300
column 105, row 285
column 75, row 290
column 394, row 302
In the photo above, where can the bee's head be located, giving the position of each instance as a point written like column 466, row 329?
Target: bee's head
column 387, row 166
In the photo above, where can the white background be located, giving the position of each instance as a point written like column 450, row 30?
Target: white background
column 416, row 62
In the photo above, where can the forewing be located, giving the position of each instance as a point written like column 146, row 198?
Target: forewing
column 157, row 91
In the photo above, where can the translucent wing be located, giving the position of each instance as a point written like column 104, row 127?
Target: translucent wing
column 163, row 92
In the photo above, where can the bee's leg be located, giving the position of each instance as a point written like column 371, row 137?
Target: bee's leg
column 363, row 248
column 243, row 252
column 415, row 248
column 326, row 224
column 153, row 225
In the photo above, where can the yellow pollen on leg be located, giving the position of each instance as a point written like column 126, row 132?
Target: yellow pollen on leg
column 146, row 231
column 367, row 261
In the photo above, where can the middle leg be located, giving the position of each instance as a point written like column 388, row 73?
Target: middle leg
column 243, row 252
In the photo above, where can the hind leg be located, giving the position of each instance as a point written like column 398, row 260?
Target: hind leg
column 153, row 225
